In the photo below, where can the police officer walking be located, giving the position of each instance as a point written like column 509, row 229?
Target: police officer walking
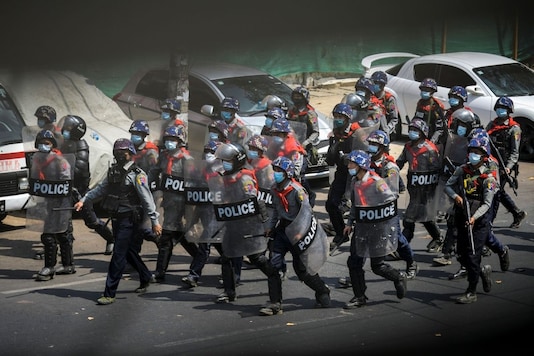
column 128, row 198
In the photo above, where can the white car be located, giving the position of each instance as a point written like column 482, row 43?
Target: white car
column 209, row 84
column 486, row 77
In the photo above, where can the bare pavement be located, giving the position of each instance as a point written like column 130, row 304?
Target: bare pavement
column 61, row 317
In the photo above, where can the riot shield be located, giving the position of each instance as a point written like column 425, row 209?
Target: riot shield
column 300, row 129
column 51, row 191
column 201, row 225
column 424, row 196
column 274, row 148
column 239, row 212
column 309, row 238
column 456, row 150
column 377, row 228
column 359, row 141
column 172, row 186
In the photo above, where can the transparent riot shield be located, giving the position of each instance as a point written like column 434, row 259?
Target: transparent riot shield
column 308, row 236
column 300, row 129
column 424, row 196
column 51, row 191
column 454, row 155
column 172, row 185
column 239, row 211
column 360, row 137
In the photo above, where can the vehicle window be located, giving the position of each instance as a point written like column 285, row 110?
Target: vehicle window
column 154, row 84
column 425, row 70
column 11, row 122
column 507, row 79
column 450, row 76
column 201, row 94
column 395, row 70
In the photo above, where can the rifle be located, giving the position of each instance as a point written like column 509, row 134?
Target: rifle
column 511, row 180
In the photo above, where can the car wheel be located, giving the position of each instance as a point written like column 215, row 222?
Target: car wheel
column 526, row 149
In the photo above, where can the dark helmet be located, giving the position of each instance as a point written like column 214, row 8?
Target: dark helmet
column 361, row 158
column 429, row 83
column 171, row 104
column 140, row 126
column 75, row 125
column 356, row 102
column 366, row 86
column 221, row 127
column 233, row 152
column 280, row 125
column 343, row 109
column 465, row 116
column 45, row 135
column 379, row 137
column 285, row 164
column 301, row 90
column 259, row 142
column 274, row 101
column 230, row 103
column 276, row 113
column 124, row 144
column 177, row 131
column 504, row 102
column 379, row 77
column 479, row 132
column 459, row 92
column 481, row 143
column 46, row 112
column 419, row 124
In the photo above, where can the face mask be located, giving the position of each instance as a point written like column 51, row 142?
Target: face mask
column 299, row 102
column 41, row 123
column 376, row 88
column 502, row 113
column 353, row 171
column 279, row 177
column 269, row 122
column 253, row 154
column 120, row 157
column 44, row 148
column 461, row 131
column 166, row 115
column 226, row 115
column 339, row 122
column 214, row 136
column 474, row 158
column 136, row 140
column 413, row 135
column 66, row 135
column 454, row 101
column 171, row 145
column 228, row 166
column 210, row 157
column 425, row 95
column 372, row 149
column 278, row 140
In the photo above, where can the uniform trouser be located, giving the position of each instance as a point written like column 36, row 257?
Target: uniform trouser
column 505, row 199
column 281, row 245
column 430, row 226
column 199, row 260
column 470, row 249
column 65, row 246
column 332, row 205
column 405, row 250
column 50, row 242
column 165, row 247
column 127, row 245
column 229, row 267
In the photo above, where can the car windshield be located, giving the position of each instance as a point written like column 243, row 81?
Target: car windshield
column 11, row 122
column 251, row 90
column 508, row 79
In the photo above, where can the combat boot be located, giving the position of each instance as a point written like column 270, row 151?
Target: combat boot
column 467, row 298
column 401, row 285
column 504, row 259
column 485, row 275
column 412, row 270
column 519, row 216
column 271, row 309
column 356, row 302
column 45, row 274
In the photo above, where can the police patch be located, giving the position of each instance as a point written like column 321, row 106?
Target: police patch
column 248, row 187
column 492, row 185
column 142, row 180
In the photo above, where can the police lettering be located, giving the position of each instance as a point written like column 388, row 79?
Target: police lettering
column 376, row 213
column 198, row 196
column 172, row 184
column 422, row 179
column 265, row 195
column 50, row 188
column 238, row 210
column 307, row 240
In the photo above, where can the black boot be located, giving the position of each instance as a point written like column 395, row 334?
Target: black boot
column 165, row 248
column 322, row 292
column 50, row 257
column 358, row 288
column 67, row 255
column 399, row 278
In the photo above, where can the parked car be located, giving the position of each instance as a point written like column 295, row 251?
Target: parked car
column 209, row 83
column 21, row 93
column 486, row 77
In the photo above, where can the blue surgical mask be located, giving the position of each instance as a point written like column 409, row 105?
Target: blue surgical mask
column 425, row 95
column 171, row 145
column 454, row 101
column 353, row 171
column 66, row 135
column 269, row 122
column 41, row 123
column 279, row 177
column 461, row 131
column 474, row 158
column 214, row 136
column 136, row 140
column 502, row 113
column 376, row 88
column 44, row 148
column 210, row 157
column 277, row 140
column 339, row 122
column 253, row 154
column 372, row 149
column 165, row 116
column 413, row 135
column 227, row 115
column 228, row 166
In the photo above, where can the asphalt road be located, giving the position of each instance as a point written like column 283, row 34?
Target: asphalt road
column 61, row 316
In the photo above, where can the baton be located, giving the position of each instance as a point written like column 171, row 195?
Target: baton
column 248, row 236
column 337, row 246
column 65, row 208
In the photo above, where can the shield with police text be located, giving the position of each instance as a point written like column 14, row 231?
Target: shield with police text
column 51, row 191
column 172, row 185
column 309, row 238
column 200, row 222
column 424, row 195
column 265, row 177
column 376, row 229
column 360, row 137
column 300, row 129
column 235, row 203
